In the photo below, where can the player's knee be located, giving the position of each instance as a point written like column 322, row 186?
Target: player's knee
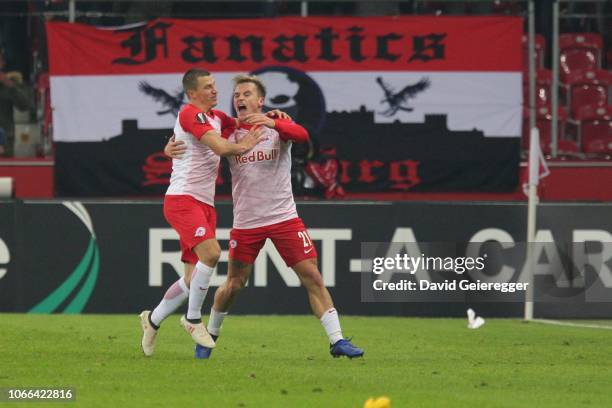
column 312, row 278
column 208, row 252
column 212, row 255
column 318, row 281
column 236, row 283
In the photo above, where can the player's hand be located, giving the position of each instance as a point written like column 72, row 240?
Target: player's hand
column 259, row 119
column 175, row 148
column 275, row 113
column 252, row 138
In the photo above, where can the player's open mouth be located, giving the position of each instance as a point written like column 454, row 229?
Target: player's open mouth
column 241, row 107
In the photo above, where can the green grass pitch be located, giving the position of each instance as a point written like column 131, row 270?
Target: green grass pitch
column 283, row 361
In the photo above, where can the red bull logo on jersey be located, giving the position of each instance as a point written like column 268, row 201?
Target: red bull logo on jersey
column 257, row 156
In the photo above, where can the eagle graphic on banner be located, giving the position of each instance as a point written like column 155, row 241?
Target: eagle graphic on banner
column 396, row 100
column 172, row 103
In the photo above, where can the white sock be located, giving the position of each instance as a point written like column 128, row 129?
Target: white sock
column 331, row 324
column 198, row 289
column 173, row 298
column 215, row 321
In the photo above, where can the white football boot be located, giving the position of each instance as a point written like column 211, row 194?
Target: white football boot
column 148, row 334
column 198, row 333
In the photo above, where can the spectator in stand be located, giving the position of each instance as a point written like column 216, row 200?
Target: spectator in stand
column 13, row 94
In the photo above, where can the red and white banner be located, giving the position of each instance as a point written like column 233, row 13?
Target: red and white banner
column 467, row 68
column 407, row 103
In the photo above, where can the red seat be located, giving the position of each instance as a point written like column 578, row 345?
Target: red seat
column 590, row 87
column 540, row 47
column 544, row 125
column 595, row 129
column 580, row 52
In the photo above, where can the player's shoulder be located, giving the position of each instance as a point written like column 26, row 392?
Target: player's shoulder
column 188, row 109
column 192, row 114
column 219, row 114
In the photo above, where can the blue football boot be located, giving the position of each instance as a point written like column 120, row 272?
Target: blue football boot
column 344, row 347
column 204, row 352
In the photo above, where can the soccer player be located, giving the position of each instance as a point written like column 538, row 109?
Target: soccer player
column 189, row 204
column 264, row 208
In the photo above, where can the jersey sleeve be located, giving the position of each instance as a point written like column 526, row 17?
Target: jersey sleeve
column 226, row 132
column 226, row 121
column 289, row 130
column 195, row 122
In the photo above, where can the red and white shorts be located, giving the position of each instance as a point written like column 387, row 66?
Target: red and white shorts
column 289, row 237
column 194, row 221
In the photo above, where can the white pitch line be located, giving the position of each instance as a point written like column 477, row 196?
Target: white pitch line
column 568, row 324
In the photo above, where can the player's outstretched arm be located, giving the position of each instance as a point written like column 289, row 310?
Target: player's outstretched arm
column 287, row 129
column 222, row 147
column 175, row 148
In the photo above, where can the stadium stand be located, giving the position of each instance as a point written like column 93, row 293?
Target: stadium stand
column 584, row 92
column 585, row 56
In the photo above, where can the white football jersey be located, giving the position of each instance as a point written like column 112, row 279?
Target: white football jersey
column 195, row 174
column 261, row 181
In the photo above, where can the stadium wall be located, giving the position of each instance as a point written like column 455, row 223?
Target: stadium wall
column 119, row 256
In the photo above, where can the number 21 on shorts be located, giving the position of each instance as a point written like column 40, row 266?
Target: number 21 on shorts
column 306, row 240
